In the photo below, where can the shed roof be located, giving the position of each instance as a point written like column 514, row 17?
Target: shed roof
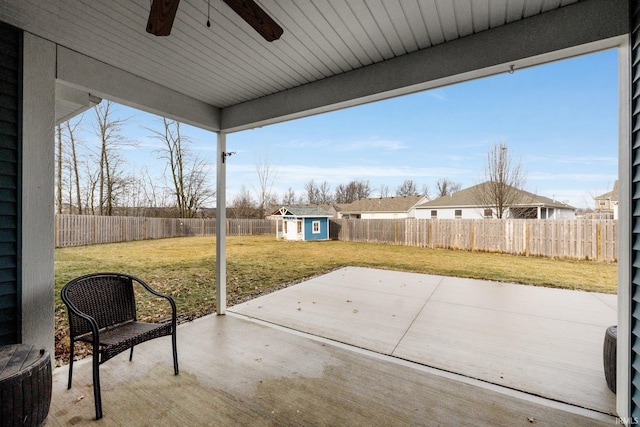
column 468, row 198
column 302, row 211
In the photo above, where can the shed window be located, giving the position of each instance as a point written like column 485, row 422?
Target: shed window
column 316, row 227
column 458, row 213
column 285, row 226
column 434, row 214
column 488, row 213
column 299, row 227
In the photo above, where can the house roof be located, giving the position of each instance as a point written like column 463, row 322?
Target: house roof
column 468, row 198
column 611, row 195
column 332, row 54
column 302, row 211
column 382, row 204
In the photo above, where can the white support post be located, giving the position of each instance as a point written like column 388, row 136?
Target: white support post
column 38, row 105
column 221, row 225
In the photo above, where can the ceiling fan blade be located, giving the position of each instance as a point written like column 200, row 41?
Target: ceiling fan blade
column 161, row 17
column 255, row 16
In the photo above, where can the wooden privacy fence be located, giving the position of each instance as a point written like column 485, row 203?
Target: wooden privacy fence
column 569, row 239
column 80, row 230
column 583, row 239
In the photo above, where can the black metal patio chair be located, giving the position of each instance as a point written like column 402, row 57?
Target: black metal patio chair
column 102, row 312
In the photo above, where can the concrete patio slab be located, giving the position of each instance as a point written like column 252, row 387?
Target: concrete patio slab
column 234, row 371
column 371, row 310
column 561, row 304
column 542, row 341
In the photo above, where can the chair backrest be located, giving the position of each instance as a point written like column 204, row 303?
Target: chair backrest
column 106, row 297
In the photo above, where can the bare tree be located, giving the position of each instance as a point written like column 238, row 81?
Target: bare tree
column 152, row 196
column 446, row 187
column 341, row 194
column 127, row 195
column 108, row 129
column 289, row 198
column 385, row 191
column 407, row 188
column 312, row 191
column 353, row 191
column 324, row 193
column 187, row 172
column 504, row 181
column 75, row 160
column 67, row 166
column 243, row 206
column 425, row 190
column 92, row 178
column 59, row 155
column 267, row 177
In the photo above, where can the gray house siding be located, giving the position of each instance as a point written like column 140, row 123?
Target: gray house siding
column 10, row 154
column 635, row 212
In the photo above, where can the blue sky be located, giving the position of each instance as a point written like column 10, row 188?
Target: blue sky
column 559, row 119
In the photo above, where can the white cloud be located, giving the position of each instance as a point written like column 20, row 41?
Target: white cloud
column 348, row 145
column 305, row 144
column 438, row 94
column 297, row 175
column 574, row 177
column 372, row 144
column 577, row 160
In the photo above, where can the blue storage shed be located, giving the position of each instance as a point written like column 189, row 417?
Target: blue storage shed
column 302, row 223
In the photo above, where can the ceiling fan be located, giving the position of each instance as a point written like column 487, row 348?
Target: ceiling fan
column 163, row 13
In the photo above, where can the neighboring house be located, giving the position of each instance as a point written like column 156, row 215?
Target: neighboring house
column 463, row 205
column 607, row 203
column 302, row 223
column 333, row 209
column 400, row 207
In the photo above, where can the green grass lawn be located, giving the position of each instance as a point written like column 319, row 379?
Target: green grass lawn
column 185, row 269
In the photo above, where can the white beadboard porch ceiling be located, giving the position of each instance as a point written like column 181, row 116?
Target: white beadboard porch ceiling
column 229, row 64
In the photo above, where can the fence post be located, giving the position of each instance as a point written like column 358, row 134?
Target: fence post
column 56, row 230
column 473, row 235
column 429, row 237
column 599, row 241
column 395, row 232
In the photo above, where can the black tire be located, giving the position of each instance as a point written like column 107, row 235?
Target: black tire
column 609, row 356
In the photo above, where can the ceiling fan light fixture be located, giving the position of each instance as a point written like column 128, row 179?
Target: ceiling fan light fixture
column 163, row 13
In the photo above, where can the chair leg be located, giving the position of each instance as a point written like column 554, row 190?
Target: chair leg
column 71, row 355
column 175, row 352
column 96, row 383
column 131, row 354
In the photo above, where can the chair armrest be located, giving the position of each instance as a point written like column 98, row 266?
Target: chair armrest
column 95, row 332
column 158, row 294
